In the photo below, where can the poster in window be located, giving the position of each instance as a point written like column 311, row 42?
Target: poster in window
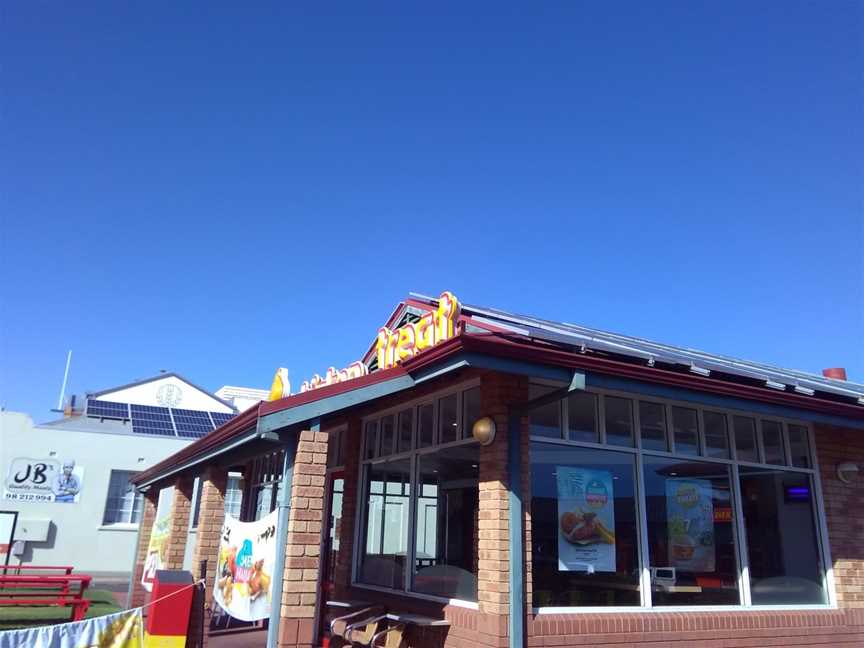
column 586, row 520
column 690, row 514
column 44, row 480
column 158, row 544
column 247, row 556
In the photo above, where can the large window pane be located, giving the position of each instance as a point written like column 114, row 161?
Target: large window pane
column 582, row 417
column 799, row 446
column 652, row 421
column 745, row 438
column 685, row 429
column 546, row 420
column 123, row 505
column 619, row 420
column 716, row 435
column 425, row 425
column 370, row 443
column 690, row 533
column 387, row 435
column 446, row 532
column 470, row 410
column 583, row 527
column 772, row 442
column 406, row 421
column 385, row 532
column 785, row 567
column 448, row 422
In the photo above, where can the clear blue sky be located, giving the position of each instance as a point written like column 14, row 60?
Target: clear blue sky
column 221, row 190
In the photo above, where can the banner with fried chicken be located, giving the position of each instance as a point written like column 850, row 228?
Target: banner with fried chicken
column 244, row 572
column 586, row 520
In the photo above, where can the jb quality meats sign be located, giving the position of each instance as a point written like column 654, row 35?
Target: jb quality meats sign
column 43, row 480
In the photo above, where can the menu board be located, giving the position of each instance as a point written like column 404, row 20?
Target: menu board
column 690, row 515
column 586, row 520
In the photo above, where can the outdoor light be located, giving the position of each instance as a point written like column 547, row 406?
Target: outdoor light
column 483, row 430
column 847, row 472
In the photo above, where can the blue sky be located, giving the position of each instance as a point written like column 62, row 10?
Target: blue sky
column 222, row 190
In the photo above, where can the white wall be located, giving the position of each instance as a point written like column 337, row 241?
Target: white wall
column 149, row 394
column 77, row 536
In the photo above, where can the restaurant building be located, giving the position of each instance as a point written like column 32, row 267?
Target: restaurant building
column 535, row 483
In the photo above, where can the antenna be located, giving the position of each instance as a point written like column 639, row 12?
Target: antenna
column 65, row 378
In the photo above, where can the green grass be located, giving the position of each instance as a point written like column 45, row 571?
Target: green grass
column 102, row 602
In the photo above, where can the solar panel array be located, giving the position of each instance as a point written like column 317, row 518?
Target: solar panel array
column 159, row 421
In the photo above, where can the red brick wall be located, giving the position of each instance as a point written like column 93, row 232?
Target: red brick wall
column 844, row 510
column 148, row 517
column 181, row 508
column 211, row 516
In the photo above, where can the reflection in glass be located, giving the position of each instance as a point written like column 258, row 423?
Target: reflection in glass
column 619, row 420
column 406, row 420
column 772, row 442
column 690, row 533
column 799, row 446
column 582, row 417
column 387, row 495
column 470, row 410
column 446, row 527
column 716, row 435
column 745, row 438
column 388, row 436
column 546, row 419
column 370, row 440
column 685, row 429
column 447, row 419
column 652, row 421
column 785, row 567
column 425, row 425
column 583, row 527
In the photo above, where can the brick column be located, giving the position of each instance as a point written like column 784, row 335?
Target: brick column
column 210, row 518
column 145, row 528
column 181, row 509
column 303, row 548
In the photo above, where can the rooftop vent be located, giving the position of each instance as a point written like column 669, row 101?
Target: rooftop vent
column 837, row 373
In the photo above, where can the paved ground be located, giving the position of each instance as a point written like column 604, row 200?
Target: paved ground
column 254, row 639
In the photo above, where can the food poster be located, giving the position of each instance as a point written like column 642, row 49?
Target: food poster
column 690, row 515
column 586, row 520
column 158, row 538
column 247, row 555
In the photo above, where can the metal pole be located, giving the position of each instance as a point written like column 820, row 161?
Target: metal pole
column 65, row 378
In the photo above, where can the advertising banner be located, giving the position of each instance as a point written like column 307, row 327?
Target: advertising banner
column 158, row 538
column 690, row 515
column 121, row 630
column 586, row 520
column 247, row 554
column 43, row 480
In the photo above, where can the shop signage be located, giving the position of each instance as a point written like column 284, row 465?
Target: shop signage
column 354, row 370
column 247, row 556
column 43, row 480
column 159, row 535
column 586, row 520
column 407, row 341
column 690, row 510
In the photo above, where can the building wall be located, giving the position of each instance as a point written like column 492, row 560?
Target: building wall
column 77, row 536
column 190, row 397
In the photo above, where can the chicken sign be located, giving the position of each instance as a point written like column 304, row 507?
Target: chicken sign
column 247, row 554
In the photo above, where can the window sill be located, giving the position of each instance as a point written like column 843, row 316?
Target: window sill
column 118, row 527
column 682, row 608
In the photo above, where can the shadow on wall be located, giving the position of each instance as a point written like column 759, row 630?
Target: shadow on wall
column 30, row 547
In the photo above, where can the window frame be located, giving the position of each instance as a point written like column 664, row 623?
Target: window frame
column 817, row 501
column 413, row 456
column 136, row 498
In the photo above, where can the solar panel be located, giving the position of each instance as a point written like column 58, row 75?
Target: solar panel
column 107, row 409
column 221, row 418
column 147, row 419
column 191, row 423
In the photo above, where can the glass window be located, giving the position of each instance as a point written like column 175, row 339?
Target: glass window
column 772, row 442
column 470, row 410
column 691, row 538
column 619, row 420
column 233, row 495
column 716, row 435
column 546, row 420
column 745, row 438
column 446, row 527
column 685, row 430
column 652, row 421
column 406, row 423
column 781, row 537
column 371, row 440
column 448, row 423
column 425, row 425
column 123, row 504
column 582, row 417
column 584, row 531
column 387, row 496
column 799, row 446
column 387, row 435
column 336, row 449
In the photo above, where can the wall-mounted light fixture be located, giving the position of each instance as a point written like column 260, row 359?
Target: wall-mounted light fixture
column 483, row 430
column 847, row 472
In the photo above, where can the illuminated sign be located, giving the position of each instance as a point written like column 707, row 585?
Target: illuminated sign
column 431, row 329
column 354, row 370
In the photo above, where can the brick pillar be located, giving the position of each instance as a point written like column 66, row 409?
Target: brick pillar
column 303, row 548
column 145, row 528
column 181, row 509
column 210, row 518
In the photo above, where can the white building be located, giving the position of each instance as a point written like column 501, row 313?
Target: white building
column 69, row 479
